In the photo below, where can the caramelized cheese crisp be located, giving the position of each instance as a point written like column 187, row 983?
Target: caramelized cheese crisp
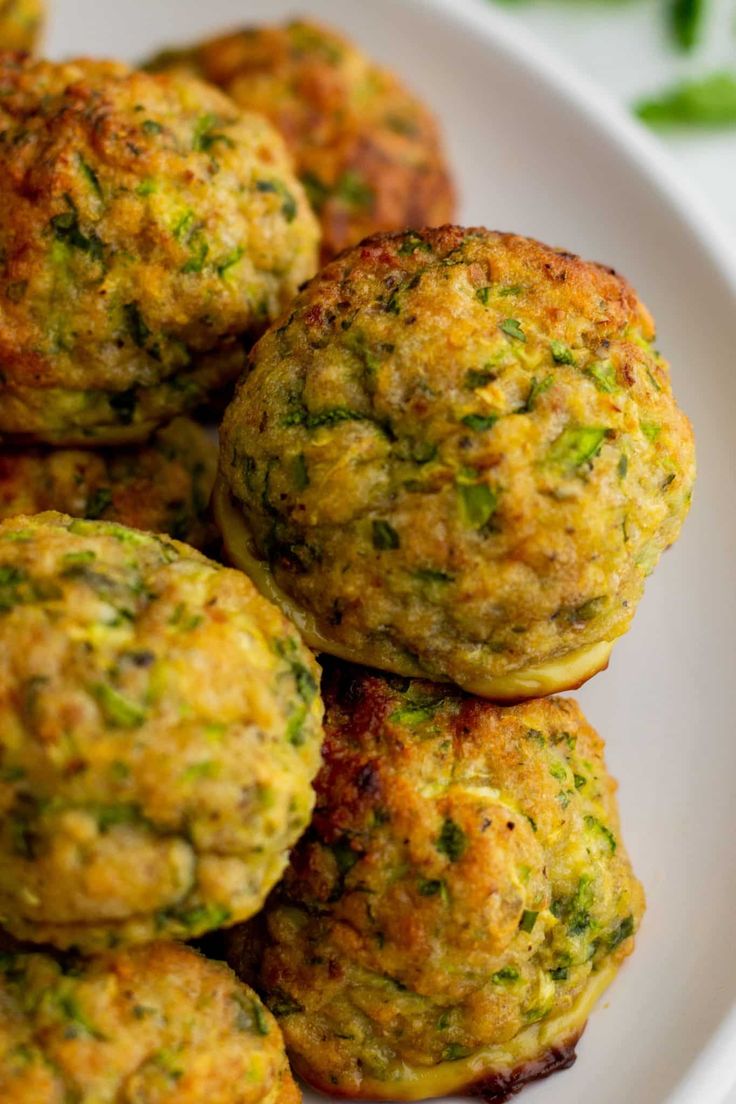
column 458, row 456
column 158, row 1024
column 367, row 151
column 164, row 485
column 148, row 230
column 460, row 902
column 160, row 725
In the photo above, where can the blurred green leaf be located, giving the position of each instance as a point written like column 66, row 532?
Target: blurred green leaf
column 709, row 102
column 686, row 18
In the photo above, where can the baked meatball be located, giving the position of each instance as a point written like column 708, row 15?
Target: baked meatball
column 460, row 902
column 366, row 149
column 158, row 1023
column 21, row 22
column 164, row 485
column 458, row 457
column 160, row 725
column 148, row 229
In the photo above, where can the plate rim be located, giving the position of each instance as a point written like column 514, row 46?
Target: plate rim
column 712, row 1075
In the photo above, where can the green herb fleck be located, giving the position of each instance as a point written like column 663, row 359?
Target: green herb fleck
column 537, row 388
column 430, row 887
column 412, row 243
column 452, row 840
column 505, row 976
column 624, row 931
column 289, row 205
column 136, row 325
column 512, row 328
column 478, row 503
column 561, row 353
column 575, row 446
column 478, row 377
column 229, row 260
column 205, row 135
column 385, row 537
column 483, row 295
column 603, row 830
column 433, row 575
column 150, row 126
column 413, row 716
column 91, row 176
column 480, row 422
column 603, row 374
column 528, row 920
column 651, row 430
column 454, row 1052
column 118, row 710
column 67, row 230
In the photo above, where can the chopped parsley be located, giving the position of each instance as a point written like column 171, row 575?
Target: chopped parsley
column 385, row 537
column 576, row 445
column 512, row 328
column 528, row 920
column 478, row 503
column 561, row 354
column 480, row 422
column 452, row 840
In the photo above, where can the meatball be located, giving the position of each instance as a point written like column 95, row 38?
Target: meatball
column 366, row 149
column 21, row 22
column 160, row 725
column 158, row 1023
column 148, row 229
column 459, row 457
column 164, row 485
column 460, row 901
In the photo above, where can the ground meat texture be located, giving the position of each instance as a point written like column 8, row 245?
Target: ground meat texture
column 460, row 902
column 155, row 1025
column 21, row 23
column 366, row 149
column 163, row 486
column 148, row 229
column 160, row 725
column 458, row 456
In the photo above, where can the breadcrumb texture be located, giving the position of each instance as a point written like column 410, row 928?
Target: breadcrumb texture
column 163, row 486
column 154, row 1025
column 459, row 456
column 461, row 893
column 367, row 150
column 148, row 230
column 160, row 725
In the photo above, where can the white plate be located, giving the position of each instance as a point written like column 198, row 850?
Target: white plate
column 538, row 151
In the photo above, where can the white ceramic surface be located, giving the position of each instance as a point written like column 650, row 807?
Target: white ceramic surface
column 538, row 151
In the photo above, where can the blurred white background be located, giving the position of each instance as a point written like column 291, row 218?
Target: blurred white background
column 625, row 45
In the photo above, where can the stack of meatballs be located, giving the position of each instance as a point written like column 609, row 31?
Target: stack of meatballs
column 448, row 462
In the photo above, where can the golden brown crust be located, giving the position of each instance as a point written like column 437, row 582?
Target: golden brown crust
column 158, row 1023
column 460, row 901
column 160, row 724
column 459, row 456
column 368, row 151
column 147, row 228
column 163, row 486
